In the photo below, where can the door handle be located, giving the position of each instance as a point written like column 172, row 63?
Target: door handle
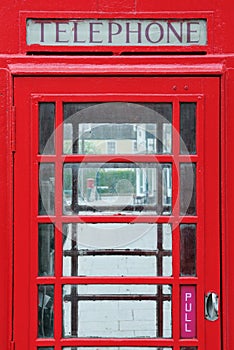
column 211, row 306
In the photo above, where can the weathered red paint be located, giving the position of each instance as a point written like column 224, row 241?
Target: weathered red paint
column 219, row 62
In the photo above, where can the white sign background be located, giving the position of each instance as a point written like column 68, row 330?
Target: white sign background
column 117, row 32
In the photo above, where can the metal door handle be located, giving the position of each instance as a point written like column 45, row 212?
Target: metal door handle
column 212, row 306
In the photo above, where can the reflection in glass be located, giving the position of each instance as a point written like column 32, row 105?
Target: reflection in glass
column 188, row 250
column 46, row 250
column 113, row 249
column 188, row 128
column 46, row 189
column 188, row 189
column 46, row 127
column 117, row 128
column 118, row 311
column 45, row 311
column 117, row 187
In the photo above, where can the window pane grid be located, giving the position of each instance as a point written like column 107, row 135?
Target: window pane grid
column 88, row 127
column 124, row 306
column 117, row 249
column 117, row 187
column 162, row 150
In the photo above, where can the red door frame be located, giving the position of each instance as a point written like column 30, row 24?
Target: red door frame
column 39, row 88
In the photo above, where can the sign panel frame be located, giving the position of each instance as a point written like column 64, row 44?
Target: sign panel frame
column 117, row 32
column 125, row 33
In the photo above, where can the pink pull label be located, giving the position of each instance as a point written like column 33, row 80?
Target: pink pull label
column 188, row 312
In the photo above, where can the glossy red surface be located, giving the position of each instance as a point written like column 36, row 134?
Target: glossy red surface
column 20, row 75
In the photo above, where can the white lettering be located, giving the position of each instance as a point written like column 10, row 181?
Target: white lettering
column 187, row 330
column 188, row 296
column 188, row 311
column 188, row 307
column 187, row 319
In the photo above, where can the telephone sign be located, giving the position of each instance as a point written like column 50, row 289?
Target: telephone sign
column 117, row 32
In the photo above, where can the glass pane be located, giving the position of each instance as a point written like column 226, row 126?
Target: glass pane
column 117, row 128
column 188, row 189
column 117, row 249
column 46, row 128
column 46, row 189
column 118, row 311
column 46, row 250
column 188, row 250
column 45, row 311
column 45, row 348
column 94, row 188
column 188, row 128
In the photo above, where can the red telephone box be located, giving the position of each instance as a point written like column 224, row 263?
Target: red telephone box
column 116, row 139
column 159, row 245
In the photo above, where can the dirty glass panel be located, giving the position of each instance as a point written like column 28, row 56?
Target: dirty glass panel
column 117, row 128
column 45, row 249
column 188, row 189
column 46, row 128
column 188, row 250
column 118, row 311
column 95, row 188
column 45, row 311
column 46, row 189
column 113, row 249
column 188, row 128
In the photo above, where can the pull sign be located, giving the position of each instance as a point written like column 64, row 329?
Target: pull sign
column 188, row 312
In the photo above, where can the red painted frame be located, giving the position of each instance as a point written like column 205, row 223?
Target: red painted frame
column 14, row 62
column 33, row 90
